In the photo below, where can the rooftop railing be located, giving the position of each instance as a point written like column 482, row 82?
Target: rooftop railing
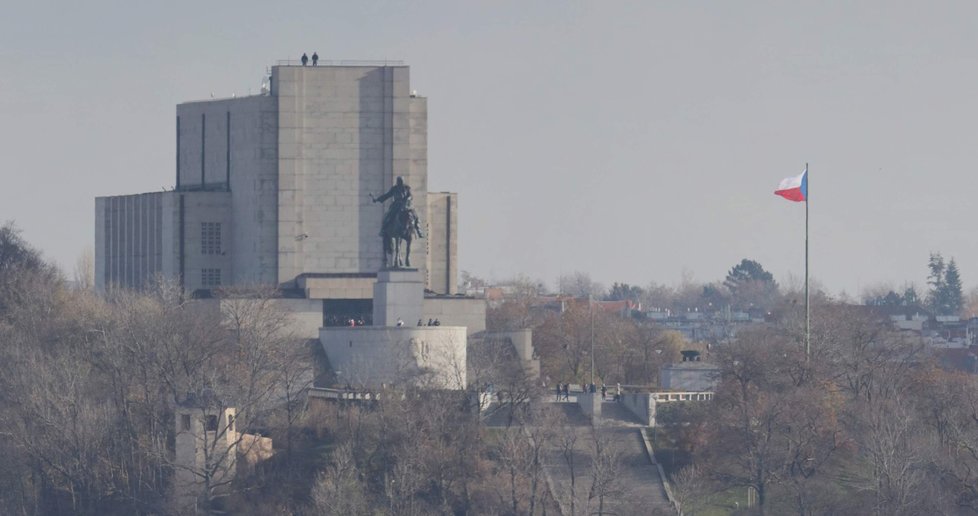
column 343, row 62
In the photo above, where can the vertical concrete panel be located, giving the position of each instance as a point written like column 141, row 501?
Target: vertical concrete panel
column 201, row 207
column 414, row 153
column 100, row 244
column 336, row 147
column 443, row 242
column 130, row 239
column 249, row 125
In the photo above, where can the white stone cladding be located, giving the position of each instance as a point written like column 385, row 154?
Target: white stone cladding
column 132, row 237
column 345, row 132
column 141, row 237
column 398, row 295
column 240, row 149
column 374, row 356
column 442, row 242
column 294, row 170
column 456, row 311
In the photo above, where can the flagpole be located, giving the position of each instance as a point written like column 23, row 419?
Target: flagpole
column 808, row 313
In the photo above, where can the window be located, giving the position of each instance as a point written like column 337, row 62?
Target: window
column 210, row 238
column 211, row 423
column 185, row 422
column 210, row 277
column 230, row 422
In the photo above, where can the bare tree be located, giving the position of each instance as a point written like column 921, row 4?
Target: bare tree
column 605, row 472
column 340, row 489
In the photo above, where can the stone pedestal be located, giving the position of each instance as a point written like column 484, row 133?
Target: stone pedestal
column 398, row 293
column 431, row 357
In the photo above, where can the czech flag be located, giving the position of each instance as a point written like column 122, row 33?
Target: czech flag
column 794, row 188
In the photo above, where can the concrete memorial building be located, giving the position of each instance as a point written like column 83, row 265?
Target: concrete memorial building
column 276, row 190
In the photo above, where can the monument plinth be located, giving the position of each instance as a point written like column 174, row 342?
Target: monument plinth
column 384, row 354
column 398, row 294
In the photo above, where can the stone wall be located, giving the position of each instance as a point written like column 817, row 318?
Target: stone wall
column 134, row 239
column 371, row 356
column 641, row 404
column 455, row 311
column 344, row 133
column 442, row 242
column 138, row 237
column 201, row 208
column 689, row 376
column 232, row 144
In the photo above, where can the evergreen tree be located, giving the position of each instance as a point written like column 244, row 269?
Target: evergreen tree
column 945, row 296
column 952, row 296
column 750, row 285
column 935, row 279
column 910, row 296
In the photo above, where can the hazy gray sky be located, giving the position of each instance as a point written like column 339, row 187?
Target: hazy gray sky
column 633, row 140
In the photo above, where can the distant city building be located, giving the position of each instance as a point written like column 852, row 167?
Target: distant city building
column 274, row 189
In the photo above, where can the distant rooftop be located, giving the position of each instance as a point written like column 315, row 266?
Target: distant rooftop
column 342, row 62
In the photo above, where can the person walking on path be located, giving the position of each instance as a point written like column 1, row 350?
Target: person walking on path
column 558, row 391
column 604, row 392
column 304, row 59
column 315, row 59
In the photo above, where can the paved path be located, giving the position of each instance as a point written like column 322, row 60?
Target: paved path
column 637, row 488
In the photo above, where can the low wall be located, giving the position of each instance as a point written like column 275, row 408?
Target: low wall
column 375, row 356
column 306, row 314
column 591, row 405
column 455, row 311
column 641, row 404
column 522, row 342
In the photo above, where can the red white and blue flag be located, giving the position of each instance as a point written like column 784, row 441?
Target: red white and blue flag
column 794, row 188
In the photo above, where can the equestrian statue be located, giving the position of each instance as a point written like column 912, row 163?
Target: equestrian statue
column 401, row 224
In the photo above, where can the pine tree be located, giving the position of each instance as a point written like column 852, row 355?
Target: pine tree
column 952, row 296
column 945, row 296
column 935, row 298
column 910, row 296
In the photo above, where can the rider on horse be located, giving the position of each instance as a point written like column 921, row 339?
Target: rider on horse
column 400, row 221
column 401, row 195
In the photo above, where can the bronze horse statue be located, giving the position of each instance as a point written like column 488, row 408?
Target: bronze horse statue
column 400, row 224
column 403, row 228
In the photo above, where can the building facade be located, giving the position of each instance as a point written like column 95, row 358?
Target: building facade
column 275, row 190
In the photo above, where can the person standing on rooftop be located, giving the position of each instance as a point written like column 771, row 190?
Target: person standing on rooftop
column 305, row 59
column 315, row 59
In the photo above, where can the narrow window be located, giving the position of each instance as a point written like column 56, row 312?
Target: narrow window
column 210, row 238
column 210, row 277
column 185, row 422
column 230, row 423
